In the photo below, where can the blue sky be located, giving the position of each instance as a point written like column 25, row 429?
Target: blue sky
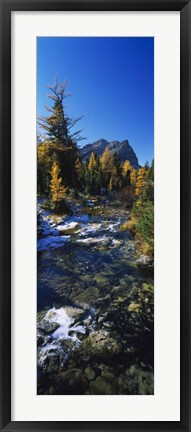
column 112, row 83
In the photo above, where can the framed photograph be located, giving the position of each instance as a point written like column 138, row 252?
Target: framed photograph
column 95, row 232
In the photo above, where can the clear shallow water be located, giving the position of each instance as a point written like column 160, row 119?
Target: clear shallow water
column 95, row 261
column 95, row 266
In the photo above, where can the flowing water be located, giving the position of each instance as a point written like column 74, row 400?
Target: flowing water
column 95, row 305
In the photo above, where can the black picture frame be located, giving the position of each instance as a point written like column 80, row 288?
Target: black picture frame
column 7, row 7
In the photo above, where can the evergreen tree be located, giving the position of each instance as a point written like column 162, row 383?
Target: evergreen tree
column 146, row 166
column 145, row 224
column 151, row 172
column 79, row 172
column 116, row 172
column 59, row 139
column 43, row 169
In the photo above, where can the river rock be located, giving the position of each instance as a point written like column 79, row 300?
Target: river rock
column 116, row 243
column 130, row 248
column 144, row 261
column 68, row 228
column 67, row 346
column 102, row 318
column 100, row 343
column 49, row 361
column 103, row 385
column 47, row 327
column 100, row 278
column 72, row 381
column 75, row 313
column 89, row 373
column 40, row 338
column 136, row 381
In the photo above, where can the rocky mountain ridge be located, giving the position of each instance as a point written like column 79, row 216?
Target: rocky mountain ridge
column 122, row 149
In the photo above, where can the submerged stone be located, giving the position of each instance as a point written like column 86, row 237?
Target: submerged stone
column 72, row 381
column 100, row 278
column 103, row 385
column 100, row 343
column 136, row 381
column 89, row 373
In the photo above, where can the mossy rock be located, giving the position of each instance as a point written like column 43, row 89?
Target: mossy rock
column 49, row 362
column 89, row 373
column 136, row 381
column 72, row 381
column 100, row 344
column 47, row 327
column 41, row 315
column 134, row 307
column 103, row 385
column 100, row 278
column 89, row 295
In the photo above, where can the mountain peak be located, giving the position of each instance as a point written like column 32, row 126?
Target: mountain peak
column 122, row 149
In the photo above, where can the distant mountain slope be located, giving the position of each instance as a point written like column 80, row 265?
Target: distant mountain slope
column 123, row 150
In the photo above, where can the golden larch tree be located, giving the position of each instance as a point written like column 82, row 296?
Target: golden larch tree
column 133, row 177
column 111, row 184
column 106, row 161
column 58, row 191
column 92, row 162
column 142, row 177
column 126, row 167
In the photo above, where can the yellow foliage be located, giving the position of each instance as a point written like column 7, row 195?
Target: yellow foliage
column 142, row 178
column 111, row 184
column 144, row 248
column 126, row 167
column 78, row 165
column 58, row 191
column 43, row 152
column 106, row 161
column 129, row 225
column 133, row 177
column 92, row 162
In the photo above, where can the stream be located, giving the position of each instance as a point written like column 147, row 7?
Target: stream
column 94, row 304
